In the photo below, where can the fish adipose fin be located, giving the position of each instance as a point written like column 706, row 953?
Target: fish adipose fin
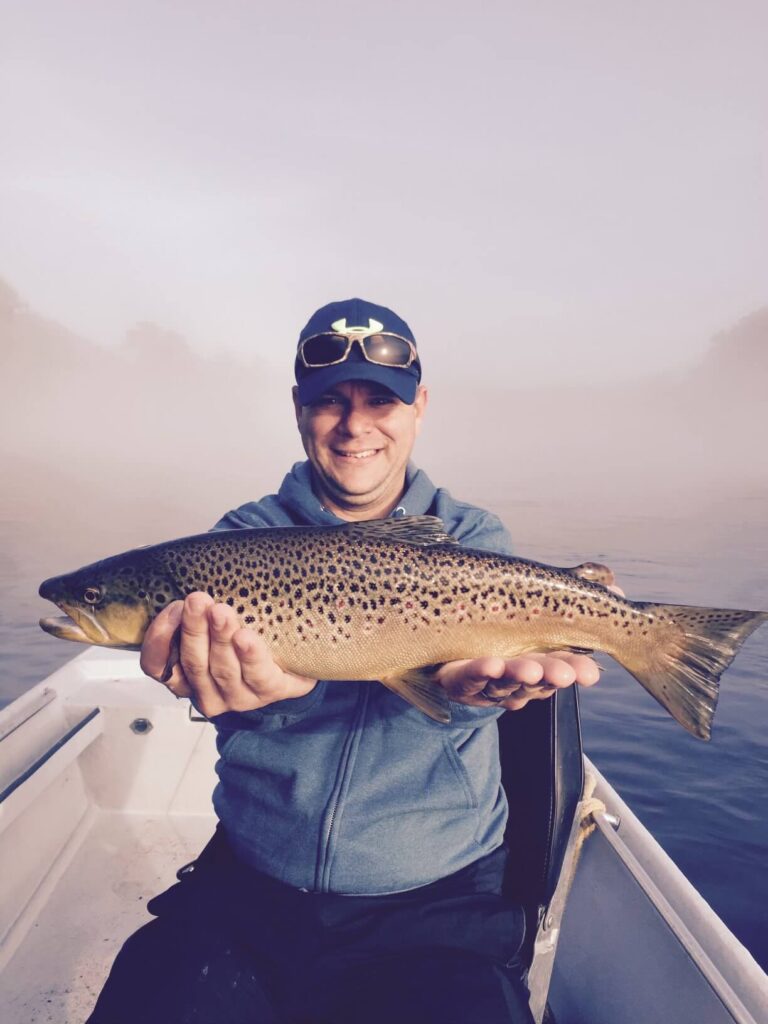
column 682, row 665
column 421, row 530
column 418, row 687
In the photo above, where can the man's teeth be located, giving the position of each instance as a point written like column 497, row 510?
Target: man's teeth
column 358, row 455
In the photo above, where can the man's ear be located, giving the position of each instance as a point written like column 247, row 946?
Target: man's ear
column 297, row 406
column 420, row 405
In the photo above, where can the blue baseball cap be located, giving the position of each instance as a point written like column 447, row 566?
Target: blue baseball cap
column 312, row 382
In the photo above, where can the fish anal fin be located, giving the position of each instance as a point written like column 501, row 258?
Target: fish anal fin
column 418, row 687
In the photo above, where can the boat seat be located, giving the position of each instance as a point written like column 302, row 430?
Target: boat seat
column 542, row 771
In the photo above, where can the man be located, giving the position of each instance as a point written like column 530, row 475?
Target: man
column 355, row 877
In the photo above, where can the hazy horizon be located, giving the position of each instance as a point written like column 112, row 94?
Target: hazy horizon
column 149, row 439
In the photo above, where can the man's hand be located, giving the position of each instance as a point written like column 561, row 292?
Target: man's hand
column 511, row 684
column 516, row 681
column 222, row 666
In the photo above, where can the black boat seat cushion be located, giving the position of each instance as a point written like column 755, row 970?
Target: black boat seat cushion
column 542, row 769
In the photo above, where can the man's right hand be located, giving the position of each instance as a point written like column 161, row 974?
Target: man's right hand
column 222, row 666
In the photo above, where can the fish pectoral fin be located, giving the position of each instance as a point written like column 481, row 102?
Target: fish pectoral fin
column 174, row 656
column 418, row 687
column 421, row 530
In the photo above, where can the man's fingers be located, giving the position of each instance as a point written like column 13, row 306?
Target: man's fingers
column 177, row 683
column 223, row 662
column 465, row 678
column 562, row 668
column 156, row 648
column 196, row 649
column 254, row 656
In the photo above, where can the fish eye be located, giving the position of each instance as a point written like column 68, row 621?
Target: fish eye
column 92, row 595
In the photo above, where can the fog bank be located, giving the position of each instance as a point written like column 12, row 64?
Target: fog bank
column 157, row 439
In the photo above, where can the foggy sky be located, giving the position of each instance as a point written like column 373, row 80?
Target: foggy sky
column 571, row 192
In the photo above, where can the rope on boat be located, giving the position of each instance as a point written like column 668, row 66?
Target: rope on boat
column 589, row 806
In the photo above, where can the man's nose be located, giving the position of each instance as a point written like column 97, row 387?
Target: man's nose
column 357, row 419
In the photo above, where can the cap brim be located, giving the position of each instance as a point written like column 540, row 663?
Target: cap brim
column 400, row 382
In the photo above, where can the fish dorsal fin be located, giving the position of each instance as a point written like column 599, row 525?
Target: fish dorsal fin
column 421, row 530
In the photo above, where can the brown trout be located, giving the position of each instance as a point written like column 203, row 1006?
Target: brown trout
column 391, row 600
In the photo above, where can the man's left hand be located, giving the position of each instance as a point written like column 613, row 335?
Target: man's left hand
column 517, row 680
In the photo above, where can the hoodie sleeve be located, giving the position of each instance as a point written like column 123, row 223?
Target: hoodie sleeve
column 272, row 717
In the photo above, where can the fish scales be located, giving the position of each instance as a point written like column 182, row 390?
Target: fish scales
column 388, row 600
column 314, row 597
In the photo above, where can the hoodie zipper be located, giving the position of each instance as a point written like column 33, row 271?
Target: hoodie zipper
column 341, row 788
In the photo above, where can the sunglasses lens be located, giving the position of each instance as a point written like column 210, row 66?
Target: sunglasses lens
column 324, row 349
column 387, row 349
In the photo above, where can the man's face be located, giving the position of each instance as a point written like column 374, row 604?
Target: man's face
column 358, row 437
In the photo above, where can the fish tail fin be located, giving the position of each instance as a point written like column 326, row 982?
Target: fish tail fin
column 418, row 687
column 690, row 649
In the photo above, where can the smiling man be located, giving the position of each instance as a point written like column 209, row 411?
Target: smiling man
column 356, row 874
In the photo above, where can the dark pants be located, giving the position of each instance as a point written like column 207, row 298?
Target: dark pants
column 230, row 946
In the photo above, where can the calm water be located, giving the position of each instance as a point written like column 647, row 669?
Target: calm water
column 704, row 802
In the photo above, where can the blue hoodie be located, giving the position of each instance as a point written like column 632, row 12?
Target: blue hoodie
column 349, row 789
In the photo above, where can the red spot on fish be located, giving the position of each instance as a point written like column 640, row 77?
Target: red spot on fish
column 535, row 611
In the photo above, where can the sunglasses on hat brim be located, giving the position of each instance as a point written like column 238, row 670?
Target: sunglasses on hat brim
column 381, row 348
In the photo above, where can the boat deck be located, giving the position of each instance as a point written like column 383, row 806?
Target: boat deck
column 99, row 900
column 98, row 810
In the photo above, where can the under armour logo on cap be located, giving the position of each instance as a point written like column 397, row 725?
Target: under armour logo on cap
column 341, row 326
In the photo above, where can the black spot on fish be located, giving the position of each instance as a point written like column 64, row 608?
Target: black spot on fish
column 160, row 598
column 243, row 592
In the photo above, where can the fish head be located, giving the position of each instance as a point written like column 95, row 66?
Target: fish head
column 109, row 603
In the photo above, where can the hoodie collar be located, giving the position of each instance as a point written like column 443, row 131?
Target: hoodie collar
column 297, row 496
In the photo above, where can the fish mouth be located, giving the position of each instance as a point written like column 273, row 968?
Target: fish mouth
column 76, row 625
